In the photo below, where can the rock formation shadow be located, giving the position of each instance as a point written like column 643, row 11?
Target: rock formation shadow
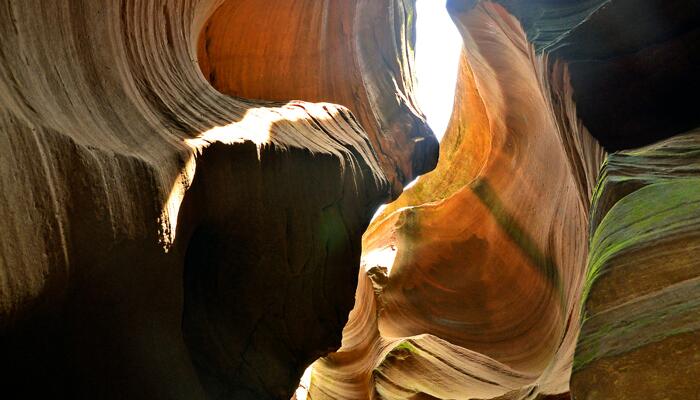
column 113, row 245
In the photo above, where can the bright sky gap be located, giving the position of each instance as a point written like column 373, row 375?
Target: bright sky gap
column 438, row 46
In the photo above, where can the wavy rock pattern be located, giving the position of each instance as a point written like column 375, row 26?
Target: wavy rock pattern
column 355, row 53
column 641, row 332
column 124, row 173
column 182, row 201
column 472, row 278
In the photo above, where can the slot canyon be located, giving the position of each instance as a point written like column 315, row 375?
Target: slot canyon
column 211, row 199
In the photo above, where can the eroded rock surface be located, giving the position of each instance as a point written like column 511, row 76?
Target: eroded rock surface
column 355, row 53
column 183, row 201
column 641, row 334
column 162, row 239
column 472, row 278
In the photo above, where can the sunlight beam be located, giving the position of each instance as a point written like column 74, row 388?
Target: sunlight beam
column 438, row 47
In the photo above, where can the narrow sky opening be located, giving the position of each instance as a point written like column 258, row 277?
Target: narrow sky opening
column 438, row 46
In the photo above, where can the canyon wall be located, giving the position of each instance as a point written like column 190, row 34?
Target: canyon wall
column 186, row 184
column 471, row 280
column 163, row 236
column 474, row 279
column 641, row 330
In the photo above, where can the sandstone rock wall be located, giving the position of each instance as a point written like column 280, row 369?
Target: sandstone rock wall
column 185, row 185
column 162, row 239
column 640, row 331
column 472, row 278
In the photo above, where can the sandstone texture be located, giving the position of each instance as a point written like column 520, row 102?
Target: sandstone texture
column 187, row 190
column 164, row 237
column 633, row 64
column 471, row 280
column 641, row 330
column 474, row 279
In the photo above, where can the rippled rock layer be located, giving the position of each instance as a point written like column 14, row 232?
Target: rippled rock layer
column 641, row 335
column 633, row 64
column 471, row 280
column 164, row 239
column 185, row 184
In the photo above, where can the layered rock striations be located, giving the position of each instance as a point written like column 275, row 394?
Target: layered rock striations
column 185, row 185
column 642, row 317
column 162, row 236
column 355, row 53
column 472, row 278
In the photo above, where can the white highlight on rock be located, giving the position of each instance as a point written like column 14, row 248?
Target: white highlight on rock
column 303, row 389
column 383, row 259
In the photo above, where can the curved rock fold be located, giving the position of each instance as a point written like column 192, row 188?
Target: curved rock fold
column 162, row 239
column 472, row 277
column 187, row 190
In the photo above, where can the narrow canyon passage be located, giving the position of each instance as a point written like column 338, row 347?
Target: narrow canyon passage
column 189, row 194
column 471, row 281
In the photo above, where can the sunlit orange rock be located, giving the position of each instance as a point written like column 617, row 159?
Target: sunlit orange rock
column 355, row 53
column 164, row 239
column 474, row 279
column 471, row 280
column 184, row 186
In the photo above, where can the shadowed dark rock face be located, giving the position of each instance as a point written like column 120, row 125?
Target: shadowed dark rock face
column 269, row 269
column 563, row 396
column 633, row 63
column 164, row 240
